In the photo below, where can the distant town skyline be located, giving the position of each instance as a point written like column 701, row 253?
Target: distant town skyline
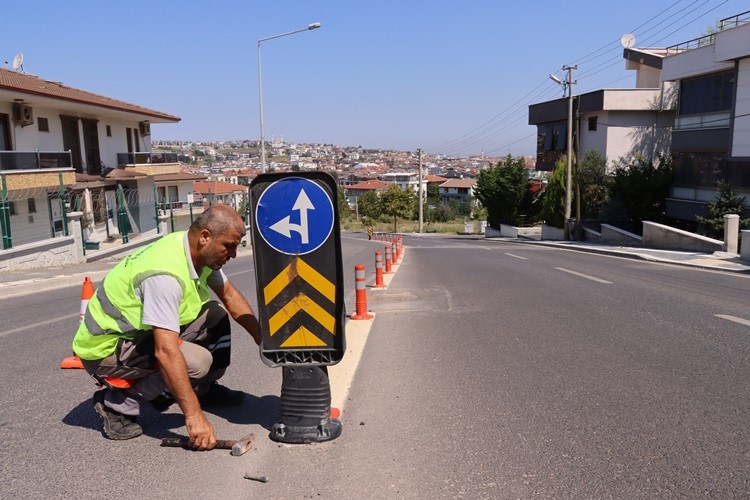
column 450, row 77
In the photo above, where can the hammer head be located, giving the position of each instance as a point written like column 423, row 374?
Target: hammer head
column 242, row 445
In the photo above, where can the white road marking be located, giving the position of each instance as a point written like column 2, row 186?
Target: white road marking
column 741, row 321
column 516, row 256
column 41, row 323
column 240, row 272
column 592, row 278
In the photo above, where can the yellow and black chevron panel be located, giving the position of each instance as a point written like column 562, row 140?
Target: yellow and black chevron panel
column 297, row 254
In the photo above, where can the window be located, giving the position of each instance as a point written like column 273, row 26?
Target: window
column 109, row 131
column 32, row 205
column 707, row 94
column 42, row 124
column 593, row 123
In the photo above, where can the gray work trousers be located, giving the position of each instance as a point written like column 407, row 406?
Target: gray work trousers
column 206, row 344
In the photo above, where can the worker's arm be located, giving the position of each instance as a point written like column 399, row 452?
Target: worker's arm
column 174, row 371
column 238, row 308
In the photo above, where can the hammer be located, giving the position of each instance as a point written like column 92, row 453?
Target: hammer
column 238, row 447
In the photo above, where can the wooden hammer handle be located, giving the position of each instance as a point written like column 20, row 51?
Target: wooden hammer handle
column 222, row 444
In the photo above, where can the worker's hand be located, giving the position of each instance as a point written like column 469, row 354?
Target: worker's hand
column 200, row 432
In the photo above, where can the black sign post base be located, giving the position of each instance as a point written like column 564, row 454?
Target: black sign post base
column 305, row 407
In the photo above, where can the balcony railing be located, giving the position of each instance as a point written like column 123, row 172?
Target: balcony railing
column 35, row 160
column 145, row 158
column 695, row 43
column 731, row 22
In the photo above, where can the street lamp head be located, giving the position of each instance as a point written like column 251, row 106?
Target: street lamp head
column 313, row 26
column 555, row 78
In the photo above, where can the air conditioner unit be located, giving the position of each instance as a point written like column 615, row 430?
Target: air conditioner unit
column 23, row 115
column 145, row 128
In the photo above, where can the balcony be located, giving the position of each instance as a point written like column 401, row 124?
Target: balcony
column 703, row 41
column 145, row 158
column 35, row 160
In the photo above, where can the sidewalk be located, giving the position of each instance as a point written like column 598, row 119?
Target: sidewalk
column 720, row 261
column 28, row 281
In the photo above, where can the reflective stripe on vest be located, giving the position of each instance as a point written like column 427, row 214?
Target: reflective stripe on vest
column 109, row 308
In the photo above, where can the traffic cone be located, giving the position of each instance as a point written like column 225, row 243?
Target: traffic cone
column 74, row 362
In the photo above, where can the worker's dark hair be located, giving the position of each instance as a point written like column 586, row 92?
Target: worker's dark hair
column 218, row 219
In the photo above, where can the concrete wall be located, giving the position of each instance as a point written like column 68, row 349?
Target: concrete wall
column 552, row 233
column 47, row 253
column 668, row 238
column 614, row 234
column 745, row 246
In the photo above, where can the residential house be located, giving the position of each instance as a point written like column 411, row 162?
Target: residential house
column 621, row 124
column 354, row 191
column 54, row 137
column 711, row 136
column 459, row 190
column 404, row 180
column 228, row 193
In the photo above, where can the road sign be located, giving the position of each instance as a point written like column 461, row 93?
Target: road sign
column 297, row 253
column 294, row 215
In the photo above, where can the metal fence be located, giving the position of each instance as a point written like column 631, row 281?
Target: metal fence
column 111, row 214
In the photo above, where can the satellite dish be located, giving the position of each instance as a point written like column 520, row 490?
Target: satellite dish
column 627, row 40
column 18, row 61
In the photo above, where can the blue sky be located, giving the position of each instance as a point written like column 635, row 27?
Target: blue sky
column 451, row 77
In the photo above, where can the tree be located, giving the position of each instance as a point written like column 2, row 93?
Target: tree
column 505, row 192
column 397, row 202
column 638, row 192
column 368, row 205
column 554, row 196
column 592, row 182
column 343, row 204
column 726, row 202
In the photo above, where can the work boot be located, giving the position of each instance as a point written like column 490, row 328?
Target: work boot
column 116, row 425
column 218, row 395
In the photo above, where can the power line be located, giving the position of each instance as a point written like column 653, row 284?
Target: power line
column 512, row 114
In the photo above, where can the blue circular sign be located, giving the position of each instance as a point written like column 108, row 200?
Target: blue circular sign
column 294, row 215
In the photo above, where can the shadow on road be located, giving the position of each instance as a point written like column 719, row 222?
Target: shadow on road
column 264, row 411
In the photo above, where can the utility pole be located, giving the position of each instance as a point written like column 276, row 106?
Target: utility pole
column 569, row 170
column 420, row 191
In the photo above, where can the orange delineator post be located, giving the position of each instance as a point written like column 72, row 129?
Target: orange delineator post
column 394, row 253
column 87, row 291
column 388, row 260
column 361, row 293
column 378, row 270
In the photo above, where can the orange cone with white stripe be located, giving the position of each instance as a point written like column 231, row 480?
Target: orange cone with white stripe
column 74, row 362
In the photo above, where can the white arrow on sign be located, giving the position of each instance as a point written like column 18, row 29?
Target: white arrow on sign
column 285, row 227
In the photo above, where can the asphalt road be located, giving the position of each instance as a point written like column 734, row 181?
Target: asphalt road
column 492, row 370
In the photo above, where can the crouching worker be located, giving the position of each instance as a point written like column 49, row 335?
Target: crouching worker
column 151, row 333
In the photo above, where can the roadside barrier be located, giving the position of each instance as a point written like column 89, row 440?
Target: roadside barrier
column 378, row 270
column 361, row 293
column 87, row 291
column 394, row 253
column 388, row 260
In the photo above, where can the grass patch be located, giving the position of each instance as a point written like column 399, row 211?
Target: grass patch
column 407, row 226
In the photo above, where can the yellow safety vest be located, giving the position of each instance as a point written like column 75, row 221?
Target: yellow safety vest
column 115, row 312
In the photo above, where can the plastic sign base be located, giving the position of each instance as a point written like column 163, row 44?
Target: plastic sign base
column 305, row 407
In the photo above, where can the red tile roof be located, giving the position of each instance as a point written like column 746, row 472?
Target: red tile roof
column 24, row 83
column 217, row 187
column 458, row 183
column 368, row 185
column 435, row 178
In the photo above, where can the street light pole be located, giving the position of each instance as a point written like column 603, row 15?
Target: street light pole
column 311, row 26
